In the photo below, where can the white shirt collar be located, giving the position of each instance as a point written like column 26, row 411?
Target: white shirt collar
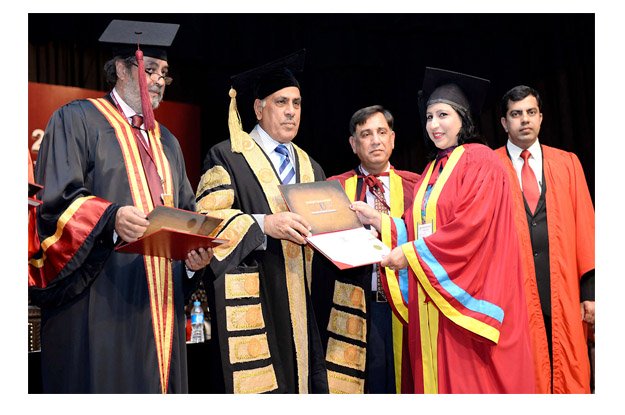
column 128, row 112
column 268, row 144
column 366, row 173
column 515, row 151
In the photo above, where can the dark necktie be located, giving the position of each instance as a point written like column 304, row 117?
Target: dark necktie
column 286, row 170
column 379, row 202
column 381, row 206
column 529, row 183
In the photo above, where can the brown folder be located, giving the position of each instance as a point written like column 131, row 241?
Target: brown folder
column 173, row 233
column 323, row 204
column 336, row 231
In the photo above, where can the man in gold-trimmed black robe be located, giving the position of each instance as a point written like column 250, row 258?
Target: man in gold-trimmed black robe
column 111, row 322
column 269, row 341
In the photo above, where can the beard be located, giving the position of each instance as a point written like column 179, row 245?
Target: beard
column 156, row 100
column 133, row 96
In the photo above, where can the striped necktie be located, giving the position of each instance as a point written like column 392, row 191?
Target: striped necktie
column 286, row 170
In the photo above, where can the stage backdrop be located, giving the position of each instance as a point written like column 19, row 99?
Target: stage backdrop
column 183, row 120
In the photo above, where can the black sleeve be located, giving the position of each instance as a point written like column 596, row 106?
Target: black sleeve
column 587, row 286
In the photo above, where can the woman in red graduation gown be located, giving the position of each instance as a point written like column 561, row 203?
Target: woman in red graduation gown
column 468, row 328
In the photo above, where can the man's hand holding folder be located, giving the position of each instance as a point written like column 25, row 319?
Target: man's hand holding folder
column 168, row 232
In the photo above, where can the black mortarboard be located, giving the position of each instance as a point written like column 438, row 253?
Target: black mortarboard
column 465, row 91
column 271, row 77
column 152, row 38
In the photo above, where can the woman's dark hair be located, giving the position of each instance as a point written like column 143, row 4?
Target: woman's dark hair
column 110, row 71
column 468, row 133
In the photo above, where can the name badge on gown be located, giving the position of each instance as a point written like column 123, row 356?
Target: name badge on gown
column 424, row 230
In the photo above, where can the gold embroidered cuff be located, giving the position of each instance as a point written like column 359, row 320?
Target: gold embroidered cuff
column 242, row 285
column 213, row 177
column 340, row 383
column 348, row 295
column 347, row 325
column 346, row 354
column 255, row 380
column 244, row 317
column 217, row 200
column 248, row 348
column 234, row 233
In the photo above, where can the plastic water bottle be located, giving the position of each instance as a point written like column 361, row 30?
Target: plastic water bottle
column 197, row 323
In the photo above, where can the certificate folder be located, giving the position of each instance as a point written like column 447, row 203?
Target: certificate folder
column 173, row 233
column 336, row 230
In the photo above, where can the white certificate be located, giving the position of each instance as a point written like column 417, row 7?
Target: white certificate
column 350, row 248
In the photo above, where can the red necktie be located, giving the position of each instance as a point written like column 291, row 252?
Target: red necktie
column 154, row 180
column 377, row 190
column 529, row 183
column 136, row 121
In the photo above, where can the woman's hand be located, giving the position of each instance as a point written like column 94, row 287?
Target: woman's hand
column 367, row 214
column 395, row 260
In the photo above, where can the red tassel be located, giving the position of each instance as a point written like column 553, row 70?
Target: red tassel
column 146, row 103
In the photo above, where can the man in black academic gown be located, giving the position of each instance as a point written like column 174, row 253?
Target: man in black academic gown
column 269, row 341
column 113, row 322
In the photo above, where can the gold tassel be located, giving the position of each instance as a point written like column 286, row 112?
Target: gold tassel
column 237, row 135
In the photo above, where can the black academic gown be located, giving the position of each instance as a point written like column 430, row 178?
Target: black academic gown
column 97, row 329
column 260, row 355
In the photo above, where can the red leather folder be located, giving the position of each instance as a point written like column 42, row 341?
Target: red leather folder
column 169, row 243
column 173, row 233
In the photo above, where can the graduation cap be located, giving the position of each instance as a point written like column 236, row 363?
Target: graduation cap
column 464, row 91
column 132, row 38
column 271, row 77
column 262, row 81
column 124, row 36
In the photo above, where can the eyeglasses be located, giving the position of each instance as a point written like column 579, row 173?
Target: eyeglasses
column 157, row 76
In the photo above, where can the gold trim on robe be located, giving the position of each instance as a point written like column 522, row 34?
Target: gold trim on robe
column 295, row 261
column 248, row 348
column 159, row 273
column 244, row 317
column 349, row 295
column 346, row 354
column 255, row 380
column 242, row 285
column 341, row 383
